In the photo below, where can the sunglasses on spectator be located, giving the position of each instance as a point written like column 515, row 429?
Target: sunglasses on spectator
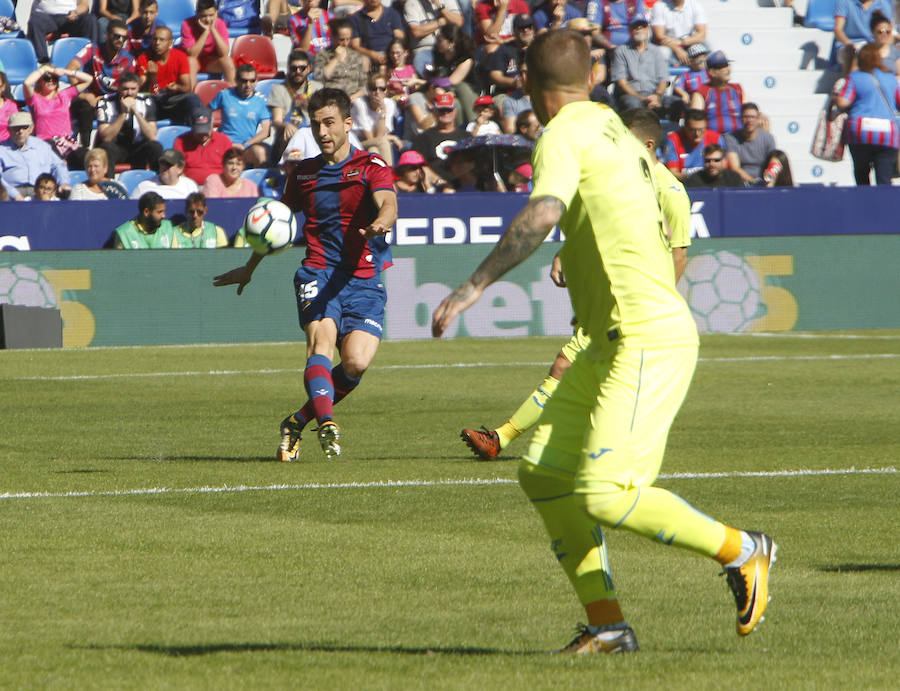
column 50, row 78
column 379, row 88
column 299, row 68
column 246, row 81
column 196, row 212
column 119, row 37
column 713, row 160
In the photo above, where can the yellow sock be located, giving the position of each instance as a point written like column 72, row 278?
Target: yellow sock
column 731, row 546
column 528, row 413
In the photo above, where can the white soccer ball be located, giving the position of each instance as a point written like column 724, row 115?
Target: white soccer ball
column 723, row 292
column 270, row 226
column 22, row 285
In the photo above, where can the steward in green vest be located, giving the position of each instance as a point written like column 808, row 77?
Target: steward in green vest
column 150, row 229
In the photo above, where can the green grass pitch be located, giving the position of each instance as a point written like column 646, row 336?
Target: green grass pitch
column 150, row 541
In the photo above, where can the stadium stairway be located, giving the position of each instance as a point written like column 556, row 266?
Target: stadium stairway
column 782, row 68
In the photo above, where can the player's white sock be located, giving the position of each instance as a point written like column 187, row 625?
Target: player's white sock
column 747, row 547
column 607, row 633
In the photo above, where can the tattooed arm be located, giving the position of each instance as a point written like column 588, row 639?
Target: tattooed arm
column 524, row 235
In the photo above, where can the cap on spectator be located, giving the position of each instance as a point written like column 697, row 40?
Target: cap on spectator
column 717, row 59
column 172, row 157
column 522, row 21
column 582, row 24
column 20, row 118
column 412, row 159
column 201, row 121
column 444, row 101
column 639, row 20
column 696, row 50
column 483, row 101
column 443, row 82
column 525, row 170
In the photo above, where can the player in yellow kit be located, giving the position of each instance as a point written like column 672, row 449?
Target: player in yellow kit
column 599, row 444
column 676, row 208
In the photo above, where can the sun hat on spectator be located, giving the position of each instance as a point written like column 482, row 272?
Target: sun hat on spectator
column 444, row 101
column 411, row 159
column 20, row 118
column 696, row 50
column 483, row 101
column 442, row 82
column 172, row 157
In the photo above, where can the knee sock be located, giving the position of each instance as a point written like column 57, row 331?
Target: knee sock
column 528, row 413
column 342, row 384
column 320, row 387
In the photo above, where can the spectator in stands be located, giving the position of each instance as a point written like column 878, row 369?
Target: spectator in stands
column 640, row 72
column 853, row 27
column 150, row 229
column 72, row 17
column 424, row 19
column 598, row 54
column 23, row 157
column 196, row 232
column 515, row 104
column 141, row 30
column 310, row 28
column 97, row 187
column 373, row 119
column 229, row 182
column 341, row 67
column 303, row 145
column 554, row 14
column 50, row 108
column 677, row 25
column 883, row 31
column 165, row 73
column 433, row 142
column 171, row 183
column 402, row 77
column 8, row 106
column 203, row 148
column 106, row 63
column 123, row 10
column 126, row 125
column 204, row 37
column 419, row 114
column 748, row 148
column 374, row 27
column 503, row 66
column 615, row 17
column 245, row 118
column 714, row 173
column 720, row 98
column 243, row 15
column 485, row 114
column 872, row 95
column 777, row 171
column 454, row 59
column 409, row 173
column 494, row 21
column 528, row 125
column 44, row 188
column 288, row 101
column 688, row 82
column 684, row 153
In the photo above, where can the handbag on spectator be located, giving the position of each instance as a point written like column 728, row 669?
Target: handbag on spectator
column 828, row 140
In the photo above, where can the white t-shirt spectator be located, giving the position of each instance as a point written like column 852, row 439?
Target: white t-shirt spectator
column 364, row 118
column 304, row 142
column 179, row 190
column 678, row 21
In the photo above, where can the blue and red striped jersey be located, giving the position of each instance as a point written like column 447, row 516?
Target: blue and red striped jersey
column 337, row 201
column 723, row 106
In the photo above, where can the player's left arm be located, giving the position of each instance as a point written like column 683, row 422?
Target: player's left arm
column 524, row 235
column 386, row 203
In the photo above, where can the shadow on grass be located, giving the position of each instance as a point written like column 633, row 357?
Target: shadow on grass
column 193, row 459
column 250, row 647
column 79, row 470
column 860, row 568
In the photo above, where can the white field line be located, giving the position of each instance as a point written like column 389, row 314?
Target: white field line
column 468, row 482
column 460, row 365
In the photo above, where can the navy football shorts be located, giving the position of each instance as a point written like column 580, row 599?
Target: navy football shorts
column 355, row 304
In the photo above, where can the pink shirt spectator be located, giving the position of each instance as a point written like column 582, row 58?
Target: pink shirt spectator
column 52, row 116
column 8, row 108
column 214, row 187
column 191, row 30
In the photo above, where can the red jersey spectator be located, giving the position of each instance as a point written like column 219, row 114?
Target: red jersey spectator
column 204, row 38
column 140, row 31
column 203, row 149
column 494, row 19
column 310, row 28
column 720, row 98
column 684, row 150
column 165, row 73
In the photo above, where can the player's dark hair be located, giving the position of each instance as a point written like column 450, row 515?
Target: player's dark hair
column 696, row 114
column 644, row 123
column 559, row 59
column 205, row 5
column 115, row 24
column 195, row 198
column 330, row 97
column 149, row 201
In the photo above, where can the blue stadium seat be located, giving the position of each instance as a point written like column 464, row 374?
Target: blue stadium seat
column 132, row 178
column 7, row 9
column 18, row 93
column 172, row 13
column 17, row 55
column 258, row 175
column 166, row 135
column 64, row 49
column 76, row 176
column 820, row 15
column 264, row 86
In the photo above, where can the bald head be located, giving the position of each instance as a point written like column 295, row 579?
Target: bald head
column 559, row 61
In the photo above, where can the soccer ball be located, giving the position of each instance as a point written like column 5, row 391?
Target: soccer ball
column 25, row 286
column 270, row 226
column 723, row 292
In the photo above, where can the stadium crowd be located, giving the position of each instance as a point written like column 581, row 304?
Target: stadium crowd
column 435, row 84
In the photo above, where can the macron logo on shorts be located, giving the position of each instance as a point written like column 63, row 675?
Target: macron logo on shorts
column 372, row 322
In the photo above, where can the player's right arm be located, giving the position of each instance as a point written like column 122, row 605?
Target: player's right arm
column 524, row 235
column 241, row 275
